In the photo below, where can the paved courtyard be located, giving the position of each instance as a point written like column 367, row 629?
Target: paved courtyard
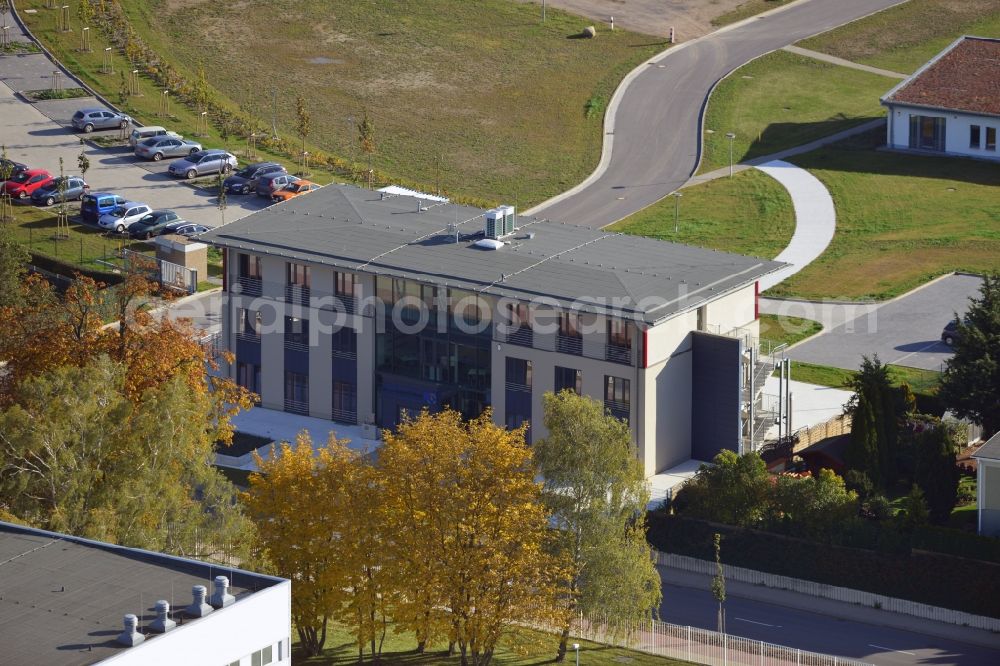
column 903, row 331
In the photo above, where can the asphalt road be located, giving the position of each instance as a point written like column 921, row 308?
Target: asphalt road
column 805, row 630
column 656, row 129
column 904, row 331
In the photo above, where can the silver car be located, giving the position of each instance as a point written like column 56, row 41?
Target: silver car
column 122, row 217
column 203, row 162
column 90, row 119
column 157, row 147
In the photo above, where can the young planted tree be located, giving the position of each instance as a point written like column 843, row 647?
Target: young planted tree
column 596, row 493
column 971, row 381
column 82, row 161
column 719, row 582
column 366, row 140
column 303, row 125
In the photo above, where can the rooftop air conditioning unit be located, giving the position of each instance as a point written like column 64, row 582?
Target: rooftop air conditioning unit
column 499, row 222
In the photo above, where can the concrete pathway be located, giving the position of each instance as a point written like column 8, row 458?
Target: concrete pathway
column 815, row 219
column 816, row 55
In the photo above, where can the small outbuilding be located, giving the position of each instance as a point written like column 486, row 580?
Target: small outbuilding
column 951, row 105
column 988, row 486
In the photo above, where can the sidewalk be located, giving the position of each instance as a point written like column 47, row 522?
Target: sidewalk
column 836, row 609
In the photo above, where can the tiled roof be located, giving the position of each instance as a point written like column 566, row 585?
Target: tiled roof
column 963, row 77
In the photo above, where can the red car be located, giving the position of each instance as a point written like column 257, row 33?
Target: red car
column 23, row 184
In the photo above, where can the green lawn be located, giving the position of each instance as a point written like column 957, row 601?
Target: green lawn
column 783, row 100
column 920, row 381
column 479, row 97
column 906, row 36
column 750, row 213
column 36, row 229
column 746, row 10
column 779, row 329
column 340, row 649
column 901, row 220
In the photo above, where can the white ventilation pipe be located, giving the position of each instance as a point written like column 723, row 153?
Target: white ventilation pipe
column 131, row 636
column 162, row 624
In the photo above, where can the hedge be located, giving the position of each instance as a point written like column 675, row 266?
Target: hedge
column 935, row 579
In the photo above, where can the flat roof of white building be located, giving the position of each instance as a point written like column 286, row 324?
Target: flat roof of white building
column 63, row 598
column 364, row 231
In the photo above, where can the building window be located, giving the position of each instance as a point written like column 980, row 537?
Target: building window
column 569, row 379
column 569, row 324
column 298, row 274
column 991, row 138
column 346, row 284
column 296, row 393
column 974, row 136
column 248, row 376
column 250, row 266
column 345, row 343
column 617, row 398
column 248, row 323
column 261, row 657
column 927, row 133
column 518, row 315
column 619, row 333
column 296, row 332
column 519, row 373
column 345, row 402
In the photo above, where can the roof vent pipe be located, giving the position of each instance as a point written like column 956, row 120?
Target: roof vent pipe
column 162, row 624
column 221, row 597
column 131, row 636
column 198, row 607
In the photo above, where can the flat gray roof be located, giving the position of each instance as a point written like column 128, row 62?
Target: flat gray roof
column 62, row 599
column 990, row 450
column 358, row 230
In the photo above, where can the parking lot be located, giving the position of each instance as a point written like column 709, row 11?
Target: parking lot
column 39, row 134
column 904, row 331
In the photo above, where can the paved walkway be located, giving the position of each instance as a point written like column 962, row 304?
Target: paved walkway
column 816, row 55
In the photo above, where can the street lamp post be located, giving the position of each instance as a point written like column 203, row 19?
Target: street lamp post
column 677, row 209
column 731, row 137
column 576, row 648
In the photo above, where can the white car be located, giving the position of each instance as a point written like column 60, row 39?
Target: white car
column 122, row 217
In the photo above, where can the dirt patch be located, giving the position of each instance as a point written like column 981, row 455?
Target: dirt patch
column 690, row 18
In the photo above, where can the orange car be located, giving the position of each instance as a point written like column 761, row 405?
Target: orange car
column 293, row 190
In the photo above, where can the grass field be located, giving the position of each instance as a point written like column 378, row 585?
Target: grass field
column 901, row 220
column 340, row 649
column 748, row 214
column 904, row 37
column 921, row 381
column 478, row 97
column 783, row 100
column 746, row 10
column 779, row 329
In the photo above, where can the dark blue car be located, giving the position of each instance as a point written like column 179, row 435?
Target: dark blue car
column 95, row 204
column 64, row 188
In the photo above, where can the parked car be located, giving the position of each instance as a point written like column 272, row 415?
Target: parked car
column 293, row 190
column 158, row 147
column 245, row 180
column 185, row 229
column 10, row 168
column 140, row 134
column 270, row 183
column 49, row 193
column 90, row 119
column 154, row 224
column 203, row 162
column 95, row 204
column 23, row 184
column 124, row 216
column 951, row 334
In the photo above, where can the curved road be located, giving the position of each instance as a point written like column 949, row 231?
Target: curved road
column 656, row 127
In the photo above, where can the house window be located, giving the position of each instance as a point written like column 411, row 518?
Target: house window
column 250, row 266
column 974, row 136
column 345, row 342
column 298, row 275
column 617, row 398
column 248, row 376
column 569, row 379
column 991, row 138
column 518, row 315
column 296, row 393
column 248, row 323
column 619, row 333
column 345, row 402
column 569, row 324
column 927, row 133
column 297, row 331
column 346, row 284
column 261, row 657
column 519, row 373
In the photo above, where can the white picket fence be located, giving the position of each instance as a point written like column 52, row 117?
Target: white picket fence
column 870, row 599
column 701, row 646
